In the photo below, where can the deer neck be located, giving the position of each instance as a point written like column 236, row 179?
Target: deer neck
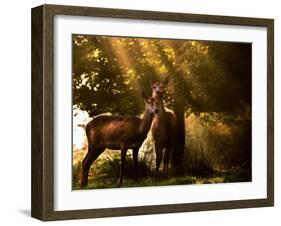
column 146, row 122
column 161, row 114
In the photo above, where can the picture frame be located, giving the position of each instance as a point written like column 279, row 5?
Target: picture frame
column 43, row 83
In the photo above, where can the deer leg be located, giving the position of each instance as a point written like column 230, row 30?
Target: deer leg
column 91, row 156
column 122, row 167
column 159, row 157
column 135, row 158
column 85, row 168
column 167, row 160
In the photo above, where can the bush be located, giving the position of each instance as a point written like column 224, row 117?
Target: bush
column 217, row 150
column 105, row 171
column 111, row 168
column 214, row 144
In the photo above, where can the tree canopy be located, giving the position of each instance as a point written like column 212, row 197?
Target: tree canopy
column 109, row 74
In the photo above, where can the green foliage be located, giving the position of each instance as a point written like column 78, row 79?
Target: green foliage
column 109, row 174
column 112, row 168
column 76, row 174
column 217, row 151
column 109, row 74
column 213, row 144
column 209, row 90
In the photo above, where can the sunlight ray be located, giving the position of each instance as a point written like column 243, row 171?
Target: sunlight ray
column 147, row 47
column 123, row 58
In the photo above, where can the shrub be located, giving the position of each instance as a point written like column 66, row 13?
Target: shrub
column 214, row 143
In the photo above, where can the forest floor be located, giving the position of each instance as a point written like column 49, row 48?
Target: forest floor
column 104, row 173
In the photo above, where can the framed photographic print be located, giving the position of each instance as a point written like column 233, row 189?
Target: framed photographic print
column 141, row 112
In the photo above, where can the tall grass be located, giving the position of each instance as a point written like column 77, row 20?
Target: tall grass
column 105, row 171
column 216, row 150
column 216, row 144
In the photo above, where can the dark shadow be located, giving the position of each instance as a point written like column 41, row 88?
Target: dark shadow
column 25, row 212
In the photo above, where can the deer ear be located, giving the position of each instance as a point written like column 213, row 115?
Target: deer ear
column 144, row 95
column 166, row 80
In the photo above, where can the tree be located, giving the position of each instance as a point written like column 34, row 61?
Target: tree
column 109, row 73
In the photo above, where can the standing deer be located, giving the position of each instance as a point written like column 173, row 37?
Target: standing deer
column 118, row 132
column 163, row 128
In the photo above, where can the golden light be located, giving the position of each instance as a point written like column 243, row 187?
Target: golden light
column 80, row 119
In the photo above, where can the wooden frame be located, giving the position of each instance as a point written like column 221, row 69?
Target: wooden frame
column 42, row 204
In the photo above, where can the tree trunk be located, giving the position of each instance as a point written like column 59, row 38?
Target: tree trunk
column 179, row 145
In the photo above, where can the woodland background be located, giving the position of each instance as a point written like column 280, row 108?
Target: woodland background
column 209, row 90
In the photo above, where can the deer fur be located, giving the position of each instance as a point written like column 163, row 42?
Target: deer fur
column 163, row 129
column 117, row 133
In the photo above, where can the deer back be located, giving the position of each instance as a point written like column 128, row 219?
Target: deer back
column 114, row 131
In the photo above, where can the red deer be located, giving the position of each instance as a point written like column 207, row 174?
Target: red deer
column 163, row 128
column 117, row 132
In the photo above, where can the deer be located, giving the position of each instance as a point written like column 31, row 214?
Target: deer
column 117, row 133
column 163, row 128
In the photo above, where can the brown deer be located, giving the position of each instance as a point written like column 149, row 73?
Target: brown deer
column 163, row 128
column 118, row 132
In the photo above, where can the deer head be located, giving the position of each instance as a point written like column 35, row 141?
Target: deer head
column 158, row 88
column 152, row 104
